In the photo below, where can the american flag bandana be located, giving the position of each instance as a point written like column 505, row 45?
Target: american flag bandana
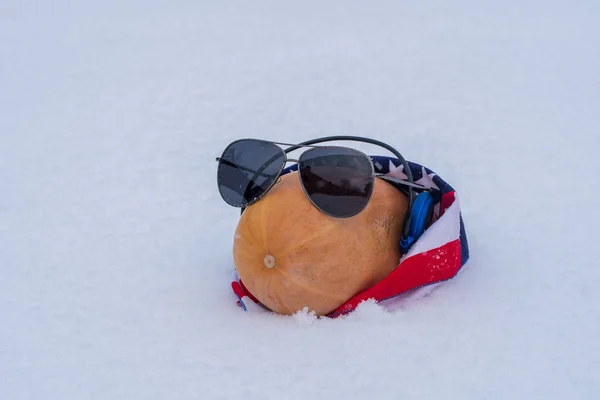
column 437, row 256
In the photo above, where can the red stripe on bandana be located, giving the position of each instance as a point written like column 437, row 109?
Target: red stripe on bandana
column 424, row 268
column 446, row 202
column 245, row 289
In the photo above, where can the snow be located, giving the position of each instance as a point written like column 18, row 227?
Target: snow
column 115, row 248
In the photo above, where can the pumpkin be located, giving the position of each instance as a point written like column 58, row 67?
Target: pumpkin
column 290, row 255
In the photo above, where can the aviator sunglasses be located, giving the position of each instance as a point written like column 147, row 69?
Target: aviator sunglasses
column 338, row 180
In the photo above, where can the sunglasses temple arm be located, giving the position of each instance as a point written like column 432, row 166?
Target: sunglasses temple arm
column 375, row 142
column 401, row 182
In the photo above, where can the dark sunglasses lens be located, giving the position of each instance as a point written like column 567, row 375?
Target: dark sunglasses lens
column 338, row 181
column 247, row 169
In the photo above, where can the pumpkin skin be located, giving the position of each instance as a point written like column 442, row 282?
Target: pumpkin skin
column 290, row 255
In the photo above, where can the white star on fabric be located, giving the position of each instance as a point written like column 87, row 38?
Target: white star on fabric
column 397, row 172
column 427, row 180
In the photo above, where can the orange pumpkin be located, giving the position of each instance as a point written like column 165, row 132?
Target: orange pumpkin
column 290, row 255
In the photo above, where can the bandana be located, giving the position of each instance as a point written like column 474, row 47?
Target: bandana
column 437, row 256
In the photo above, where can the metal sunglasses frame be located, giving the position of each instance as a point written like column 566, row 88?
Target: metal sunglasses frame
column 311, row 144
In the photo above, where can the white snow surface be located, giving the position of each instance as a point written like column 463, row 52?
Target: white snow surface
column 115, row 247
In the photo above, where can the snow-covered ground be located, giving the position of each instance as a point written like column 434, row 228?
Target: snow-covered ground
column 115, row 248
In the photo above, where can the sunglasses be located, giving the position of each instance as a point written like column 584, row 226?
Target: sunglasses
column 338, row 181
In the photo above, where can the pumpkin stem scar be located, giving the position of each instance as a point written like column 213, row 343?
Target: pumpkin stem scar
column 269, row 261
